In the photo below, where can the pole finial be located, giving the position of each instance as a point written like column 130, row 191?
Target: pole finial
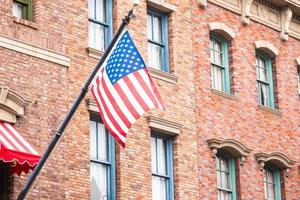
column 129, row 16
column 136, row 2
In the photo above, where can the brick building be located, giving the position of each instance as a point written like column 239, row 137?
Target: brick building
column 227, row 70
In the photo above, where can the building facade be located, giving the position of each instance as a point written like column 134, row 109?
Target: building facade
column 227, row 70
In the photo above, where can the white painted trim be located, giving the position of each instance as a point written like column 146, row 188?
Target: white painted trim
column 257, row 12
column 34, row 51
column 11, row 105
column 161, row 5
column 223, row 29
column 164, row 126
column 267, row 47
column 202, row 3
column 298, row 61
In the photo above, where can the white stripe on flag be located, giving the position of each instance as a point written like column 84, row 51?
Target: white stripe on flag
column 21, row 139
column 147, row 81
column 141, row 91
column 118, row 99
column 130, row 96
column 106, row 118
column 113, row 112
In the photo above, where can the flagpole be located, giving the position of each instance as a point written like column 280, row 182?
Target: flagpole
column 73, row 109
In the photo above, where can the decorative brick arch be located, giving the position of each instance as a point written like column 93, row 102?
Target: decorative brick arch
column 234, row 147
column 12, row 105
column 266, row 47
column 278, row 159
column 222, row 29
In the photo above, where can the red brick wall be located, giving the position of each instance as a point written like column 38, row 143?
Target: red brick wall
column 62, row 26
column 218, row 117
column 134, row 171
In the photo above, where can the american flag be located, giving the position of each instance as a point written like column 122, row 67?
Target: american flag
column 123, row 88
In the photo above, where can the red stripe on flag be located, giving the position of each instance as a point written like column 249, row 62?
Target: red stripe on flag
column 107, row 111
column 136, row 94
column 145, row 87
column 155, row 89
column 114, row 104
column 128, row 104
column 105, row 122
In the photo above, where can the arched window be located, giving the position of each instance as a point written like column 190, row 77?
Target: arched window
column 274, row 166
column 272, row 183
column 226, row 178
column 265, row 79
column 227, row 152
column 219, row 63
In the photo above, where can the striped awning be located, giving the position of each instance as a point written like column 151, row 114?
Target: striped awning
column 15, row 150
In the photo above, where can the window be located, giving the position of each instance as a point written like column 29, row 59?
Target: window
column 23, row 9
column 272, row 184
column 102, row 153
column 219, row 63
column 162, row 168
column 299, row 79
column 3, row 181
column 158, row 40
column 226, row 177
column 265, row 80
column 100, row 23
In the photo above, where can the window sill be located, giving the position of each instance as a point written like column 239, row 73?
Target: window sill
column 94, row 53
column 164, row 76
column 25, row 22
column 161, row 6
column 35, row 51
column 224, row 94
column 270, row 110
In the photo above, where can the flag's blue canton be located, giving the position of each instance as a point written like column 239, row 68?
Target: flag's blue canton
column 124, row 60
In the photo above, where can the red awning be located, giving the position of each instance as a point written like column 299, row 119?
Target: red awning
column 15, row 150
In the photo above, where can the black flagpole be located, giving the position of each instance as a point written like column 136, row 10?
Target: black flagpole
column 73, row 109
